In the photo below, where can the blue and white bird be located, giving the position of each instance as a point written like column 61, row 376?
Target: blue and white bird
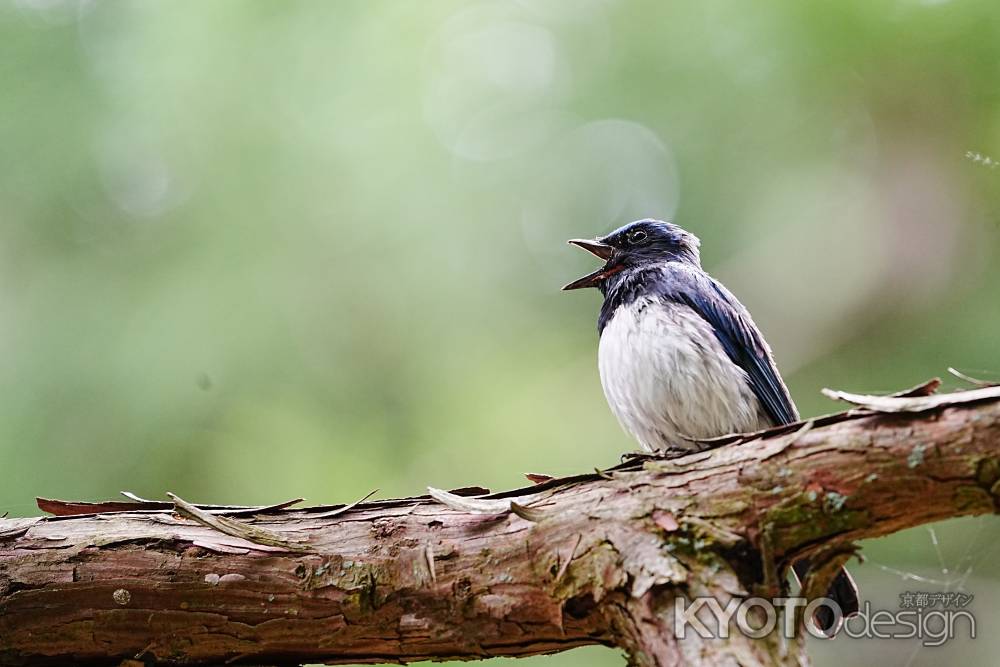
column 680, row 358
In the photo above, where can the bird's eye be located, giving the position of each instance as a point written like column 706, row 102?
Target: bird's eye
column 637, row 237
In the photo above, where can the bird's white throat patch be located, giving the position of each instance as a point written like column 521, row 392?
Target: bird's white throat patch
column 666, row 376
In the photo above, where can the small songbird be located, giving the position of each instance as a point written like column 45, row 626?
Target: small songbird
column 680, row 358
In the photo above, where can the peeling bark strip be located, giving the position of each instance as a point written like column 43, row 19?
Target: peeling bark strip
column 592, row 559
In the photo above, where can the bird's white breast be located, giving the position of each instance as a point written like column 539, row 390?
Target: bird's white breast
column 667, row 377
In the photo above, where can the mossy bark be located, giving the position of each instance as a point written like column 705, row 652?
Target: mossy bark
column 600, row 559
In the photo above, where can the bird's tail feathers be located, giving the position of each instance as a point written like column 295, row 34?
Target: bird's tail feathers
column 842, row 590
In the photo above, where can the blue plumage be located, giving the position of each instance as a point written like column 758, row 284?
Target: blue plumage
column 744, row 344
column 680, row 357
column 673, row 283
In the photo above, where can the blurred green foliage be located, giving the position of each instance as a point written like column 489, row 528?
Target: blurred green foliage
column 256, row 250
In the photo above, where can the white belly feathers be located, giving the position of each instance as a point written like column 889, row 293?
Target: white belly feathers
column 666, row 375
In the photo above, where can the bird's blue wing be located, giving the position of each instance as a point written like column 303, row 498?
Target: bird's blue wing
column 743, row 342
column 740, row 338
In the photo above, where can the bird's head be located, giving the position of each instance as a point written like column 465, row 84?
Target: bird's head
column 637, row 244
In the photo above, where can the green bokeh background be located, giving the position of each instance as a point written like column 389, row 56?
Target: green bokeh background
column 257, row 250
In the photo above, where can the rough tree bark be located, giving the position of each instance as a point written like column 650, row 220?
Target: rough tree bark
column 592, row 559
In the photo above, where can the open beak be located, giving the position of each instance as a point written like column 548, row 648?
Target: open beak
column 595, row 247
column 600, row 250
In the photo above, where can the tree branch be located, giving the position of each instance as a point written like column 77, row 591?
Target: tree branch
column 591, row 559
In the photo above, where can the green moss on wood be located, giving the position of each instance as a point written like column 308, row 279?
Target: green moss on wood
column 800, row 519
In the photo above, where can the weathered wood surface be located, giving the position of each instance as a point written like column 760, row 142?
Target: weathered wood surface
column 594, row 559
